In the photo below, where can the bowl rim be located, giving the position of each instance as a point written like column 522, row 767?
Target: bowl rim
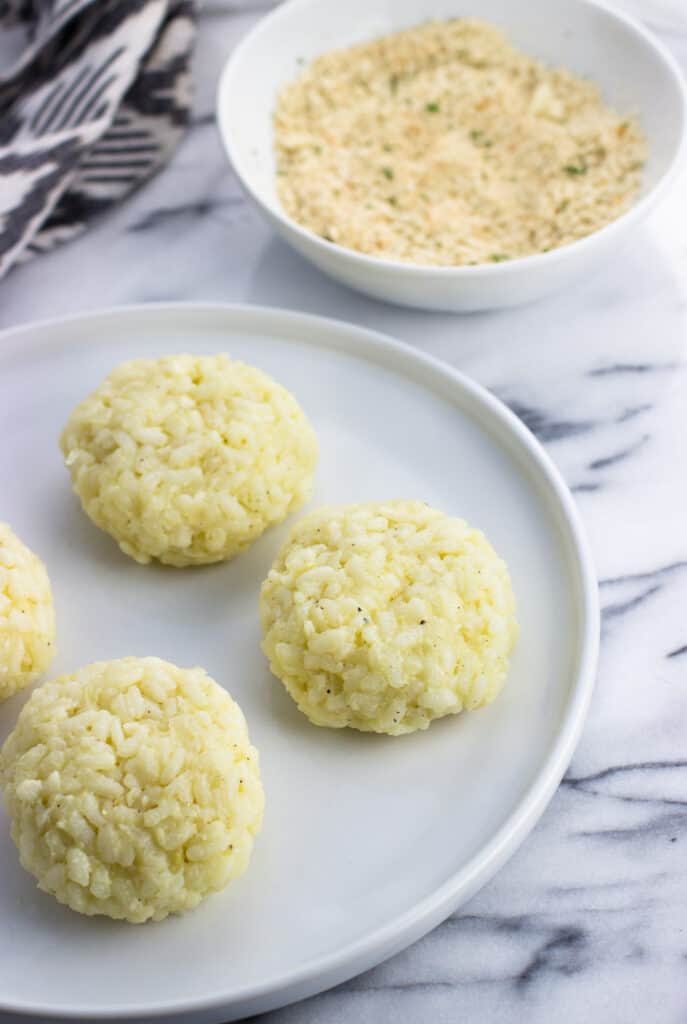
column 520, row 263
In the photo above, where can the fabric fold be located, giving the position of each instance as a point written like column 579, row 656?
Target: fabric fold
column 96, row 104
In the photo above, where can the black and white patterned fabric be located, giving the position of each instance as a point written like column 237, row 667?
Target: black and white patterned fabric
column 96, row 103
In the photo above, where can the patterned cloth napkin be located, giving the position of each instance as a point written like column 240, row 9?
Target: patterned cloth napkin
column 95, row 105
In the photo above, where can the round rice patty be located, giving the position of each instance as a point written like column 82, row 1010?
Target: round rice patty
column 133, row 789
column 188, row 459
column 383, row 617
column 27, row 615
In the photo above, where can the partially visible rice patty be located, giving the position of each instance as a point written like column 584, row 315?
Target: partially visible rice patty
column 188, row 459
column 133, row 789
column 27, row 615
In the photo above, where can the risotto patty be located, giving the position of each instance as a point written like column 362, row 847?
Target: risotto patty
column 385, row 616
column 27, row 615
column 133, row 789
column 188, row 459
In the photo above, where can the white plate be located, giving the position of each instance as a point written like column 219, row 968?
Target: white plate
column 368, row 841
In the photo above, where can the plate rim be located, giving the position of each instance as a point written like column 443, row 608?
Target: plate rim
column 407, row 927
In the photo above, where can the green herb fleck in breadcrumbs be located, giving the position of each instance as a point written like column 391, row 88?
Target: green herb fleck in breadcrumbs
column 579, row 168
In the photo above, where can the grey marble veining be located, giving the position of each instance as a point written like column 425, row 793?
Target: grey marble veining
column 588, row 922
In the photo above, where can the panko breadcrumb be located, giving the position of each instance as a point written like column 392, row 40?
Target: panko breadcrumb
column 188, row 459
column 133, row 789
column 385, row 616
column 444, row 145
column 27, row 615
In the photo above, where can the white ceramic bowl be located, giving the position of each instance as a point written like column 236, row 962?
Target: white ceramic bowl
column 634, row 71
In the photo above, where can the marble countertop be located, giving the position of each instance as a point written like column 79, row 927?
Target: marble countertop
column 589, row 920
